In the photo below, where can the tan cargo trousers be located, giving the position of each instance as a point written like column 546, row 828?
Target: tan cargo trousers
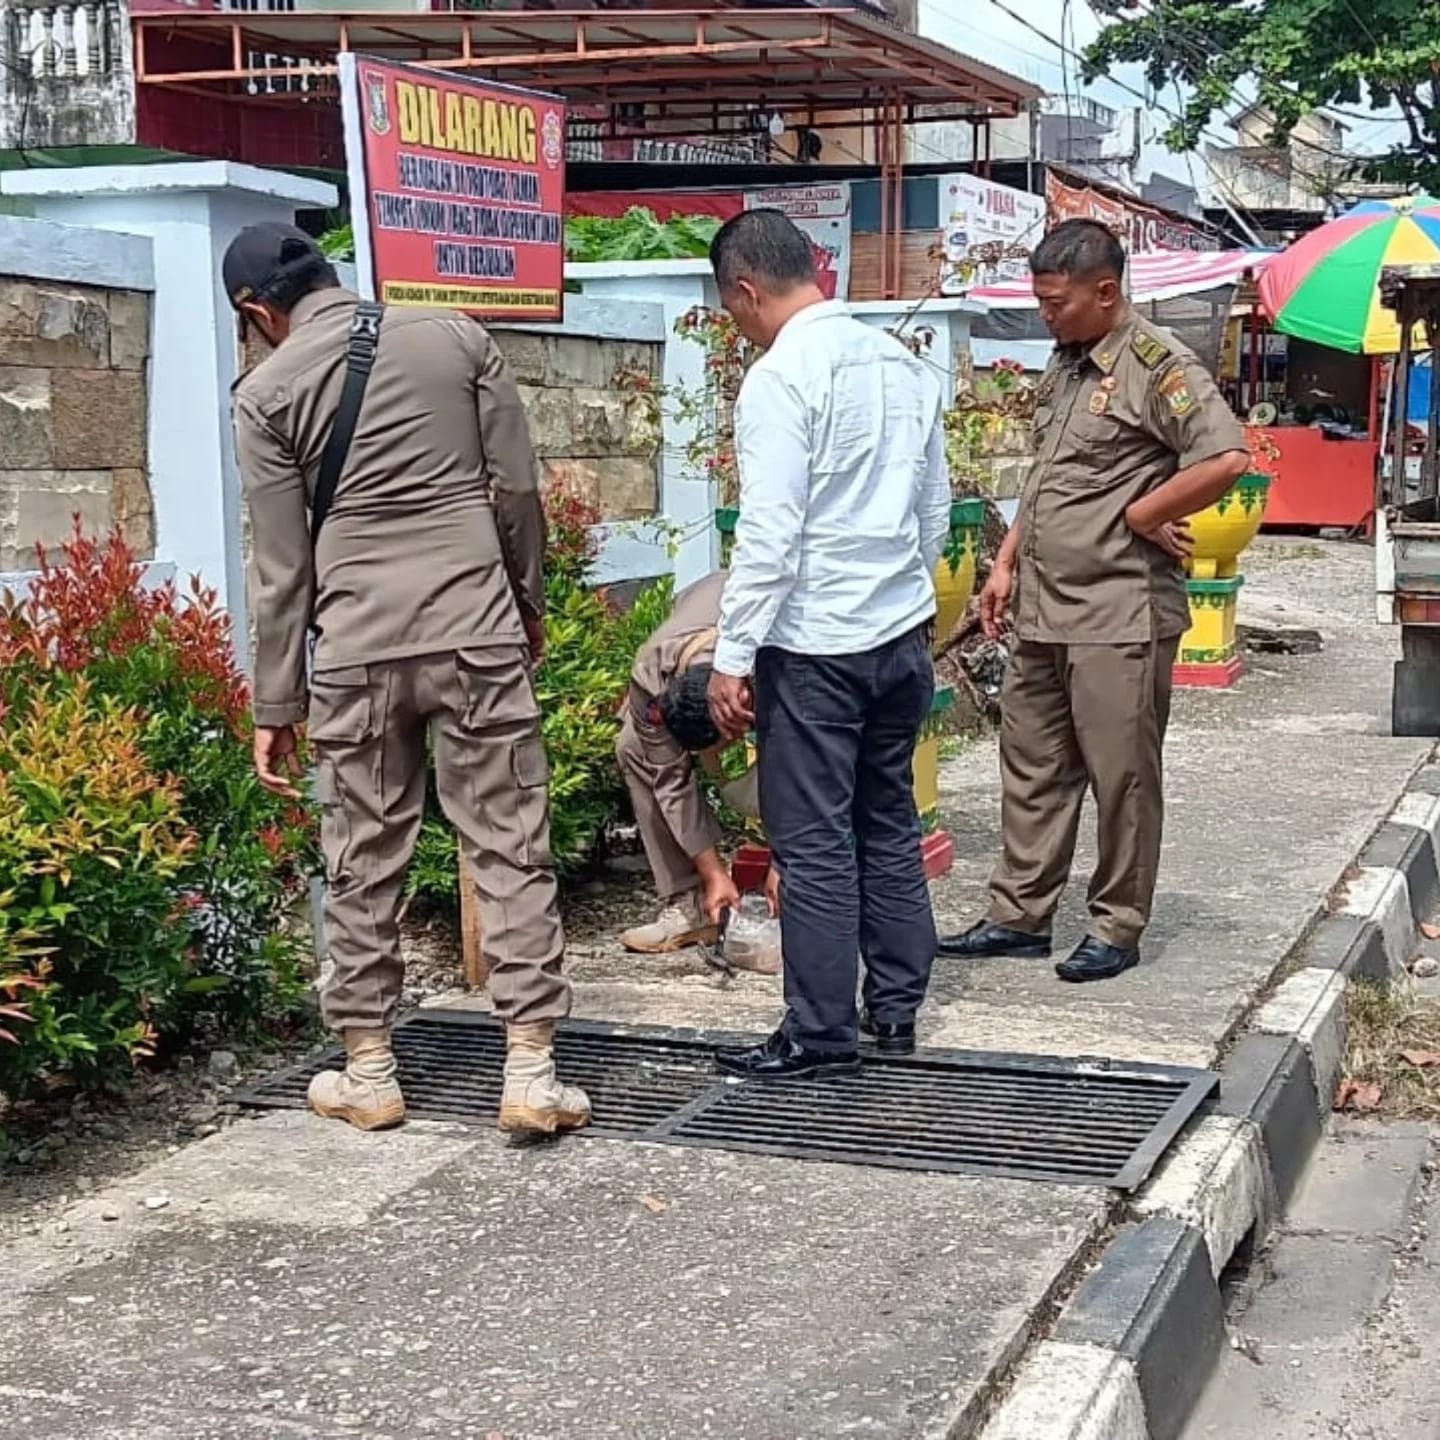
column 368, row 726
column 1075, row 717
column 671, row 814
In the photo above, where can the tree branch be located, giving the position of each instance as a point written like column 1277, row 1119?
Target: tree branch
column 1298, row 58
column 1409, row 102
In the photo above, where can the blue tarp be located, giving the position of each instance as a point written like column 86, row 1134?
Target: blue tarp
column 1419, row 404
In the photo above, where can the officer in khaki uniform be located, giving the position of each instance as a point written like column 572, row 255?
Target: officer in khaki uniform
column 666, row 731
column 1131, row 437
column 424, row 589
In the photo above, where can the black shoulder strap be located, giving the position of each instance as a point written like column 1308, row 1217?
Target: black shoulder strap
column 359, row 361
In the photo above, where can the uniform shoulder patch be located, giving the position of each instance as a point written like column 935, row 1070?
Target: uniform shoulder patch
column 1174, row 388
column 1150, row 350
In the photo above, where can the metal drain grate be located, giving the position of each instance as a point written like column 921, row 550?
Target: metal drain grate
column 1089, row 1122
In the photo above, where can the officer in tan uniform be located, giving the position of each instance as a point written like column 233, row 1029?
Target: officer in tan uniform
column 1131, row 437
column 424, row 589
column 666, row 732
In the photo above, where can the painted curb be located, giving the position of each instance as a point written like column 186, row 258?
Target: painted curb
column 1269, row 1083
column 1154, row 1302
column 1137, row 1341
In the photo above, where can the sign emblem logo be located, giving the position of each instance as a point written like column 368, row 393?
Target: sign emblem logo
column 552, row 138
column 377, row 103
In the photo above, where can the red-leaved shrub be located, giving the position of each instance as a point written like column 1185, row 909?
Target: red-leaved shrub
column 145, row 675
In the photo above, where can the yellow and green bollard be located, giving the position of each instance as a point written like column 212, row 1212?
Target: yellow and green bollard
column 1209, row 655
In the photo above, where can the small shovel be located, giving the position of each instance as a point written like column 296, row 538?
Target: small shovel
column 714, row 955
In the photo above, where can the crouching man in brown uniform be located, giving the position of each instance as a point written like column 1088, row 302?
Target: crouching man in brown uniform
column 666, row 731
column 423, row 583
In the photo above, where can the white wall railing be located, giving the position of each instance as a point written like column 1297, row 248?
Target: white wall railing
column 66, row 74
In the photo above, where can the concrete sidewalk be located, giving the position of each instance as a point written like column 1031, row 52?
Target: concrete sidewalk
column 290, row 1278
column 1271, row 789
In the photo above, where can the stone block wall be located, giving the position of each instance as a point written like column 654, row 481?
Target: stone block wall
column 1007, row 454
column 73, row 416
column 596, row 430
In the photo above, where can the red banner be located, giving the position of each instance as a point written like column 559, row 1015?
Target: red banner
column 1140, row 228
column 457, row 190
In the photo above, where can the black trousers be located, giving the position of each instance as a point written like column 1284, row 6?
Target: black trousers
column 837, row 739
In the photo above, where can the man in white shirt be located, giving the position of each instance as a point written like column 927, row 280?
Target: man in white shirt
column 824, row 643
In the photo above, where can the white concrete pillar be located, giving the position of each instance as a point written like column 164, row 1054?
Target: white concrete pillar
column 947, row 321
column 687, row 499
column 191, row 211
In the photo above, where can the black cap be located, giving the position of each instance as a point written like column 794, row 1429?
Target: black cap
column 263, row 255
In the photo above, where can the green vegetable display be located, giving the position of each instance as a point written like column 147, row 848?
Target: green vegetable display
column 339, row 244
column 635, row 235
column 638, row 235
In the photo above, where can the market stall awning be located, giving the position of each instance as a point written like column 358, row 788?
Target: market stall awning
column 702, row 65
column 1153, row 275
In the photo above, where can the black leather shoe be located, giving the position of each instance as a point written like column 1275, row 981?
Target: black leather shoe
column 985, row 940
column 890, row 1039
column 782, row 1058
column 1093, row 959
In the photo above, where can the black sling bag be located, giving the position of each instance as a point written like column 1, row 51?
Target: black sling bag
column 359, row 361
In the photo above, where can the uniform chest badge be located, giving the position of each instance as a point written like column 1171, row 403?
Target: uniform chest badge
column 1175, row 391
column 1099, row 401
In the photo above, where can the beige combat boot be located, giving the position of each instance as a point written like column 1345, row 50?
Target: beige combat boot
column 680, row 924
column 365, row 1092
column 534, row 1102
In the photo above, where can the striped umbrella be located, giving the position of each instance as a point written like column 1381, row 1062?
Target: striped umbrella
column 1325, row 287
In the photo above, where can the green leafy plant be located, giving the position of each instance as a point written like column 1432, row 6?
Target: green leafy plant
column 339, row 243
column 150, row 674
column 705, row 412
column 984, row 406
column 710, row 411
column 95, row 848
column 638, row 235
column 635, row 235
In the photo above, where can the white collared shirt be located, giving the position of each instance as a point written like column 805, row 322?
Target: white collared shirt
column 844, row 493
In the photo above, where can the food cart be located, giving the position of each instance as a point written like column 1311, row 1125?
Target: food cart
column 1319, row 409
column 1407, row 541
column 1323, row 294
